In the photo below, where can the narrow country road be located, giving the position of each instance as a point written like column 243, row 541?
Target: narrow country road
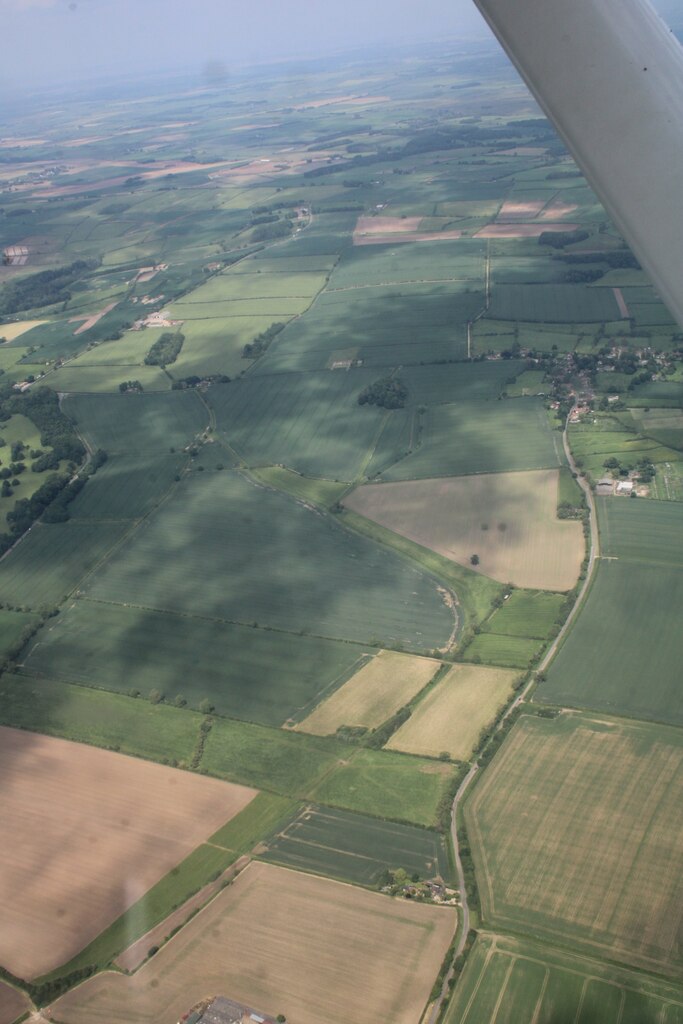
column 593, row 556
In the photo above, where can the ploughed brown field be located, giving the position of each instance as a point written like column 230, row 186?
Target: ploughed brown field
column 91, row 831
column 284, row 942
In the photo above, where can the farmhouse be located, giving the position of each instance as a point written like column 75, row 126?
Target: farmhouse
column 625, row 487
column 225, row 1011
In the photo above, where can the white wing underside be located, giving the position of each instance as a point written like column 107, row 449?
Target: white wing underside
column 609, row 74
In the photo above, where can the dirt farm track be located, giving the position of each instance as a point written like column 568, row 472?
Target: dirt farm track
column 91, row 832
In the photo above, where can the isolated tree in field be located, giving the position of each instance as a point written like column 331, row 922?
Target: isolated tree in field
column 474, row 560
column 206, row 707
column 155, row 696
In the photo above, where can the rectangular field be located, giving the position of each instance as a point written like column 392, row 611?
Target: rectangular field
column 576, row 833
column 642, row 531
column 515, row 651
column 452, row 715
column 285, row 942
column 387, row 785
column 113, row 825
column 507, row 520
column 507, row 981
column 482, row 437
column 526, row 613
column 137, row 422
column 629, row 654
column 256, row 674
column 354, row 848
column 553, row 303
column 226, row 548
column 50, row 560
column 309, row 422
column 373, row 694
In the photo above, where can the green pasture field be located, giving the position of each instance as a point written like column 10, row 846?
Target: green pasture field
column 311, row 422
column 354, row 848
column 664, row 425
column 214, row 344
column 492, row 649
column 399, row 787
column 12, row 626
column 520, row 270
column 482, row 437
column 95, row 379
column 225, row 288
column 50, row 560
column 552, row 303
column 526, row 613
column 387, row 325
column 127, row 486
column 599, row 438
column 574, row 831
column 304, row 488
column 668, row 484
column 259, row 675
column 641, row 531
column 475, row 591
column 257, row 820
column 569, row 490
column 629, row 655
column 130, row 350
column 225, row 548
column 650, row 314
column 288, row 763
column 510, row 981
column 109, row 720
column 658, row 393
column 530, row 382
column 137, row 422
column 200, row 867
column 454, row 382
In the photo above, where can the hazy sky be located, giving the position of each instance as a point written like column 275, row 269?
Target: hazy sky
column 66, row 39
column 70, row 38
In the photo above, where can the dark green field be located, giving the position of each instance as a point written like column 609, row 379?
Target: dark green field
column 51, row 560
column 310, row 422
column 482, row 437
column 354, row 848
column 553, row 303
column 630, row 656
column 256, row 674
column 138, row 423
column 228, row 549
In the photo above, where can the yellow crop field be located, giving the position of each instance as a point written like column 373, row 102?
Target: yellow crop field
column 373, row 694
column 11, row 331
column 451, row 716
column 284, row 942
column 577, row 836
column 509, row 520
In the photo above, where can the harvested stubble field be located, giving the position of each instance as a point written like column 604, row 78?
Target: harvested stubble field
column 372, row 694
column 576, row 833
column 354, row 848
column 111, row 829
column 508, row 520
column 452, row 715
column 507, row 981
column 283, row 941
column 13, row 1004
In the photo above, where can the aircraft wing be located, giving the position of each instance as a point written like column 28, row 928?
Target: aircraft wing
column 609, row 74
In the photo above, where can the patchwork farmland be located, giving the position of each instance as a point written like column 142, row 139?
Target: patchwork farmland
column 237, row 565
